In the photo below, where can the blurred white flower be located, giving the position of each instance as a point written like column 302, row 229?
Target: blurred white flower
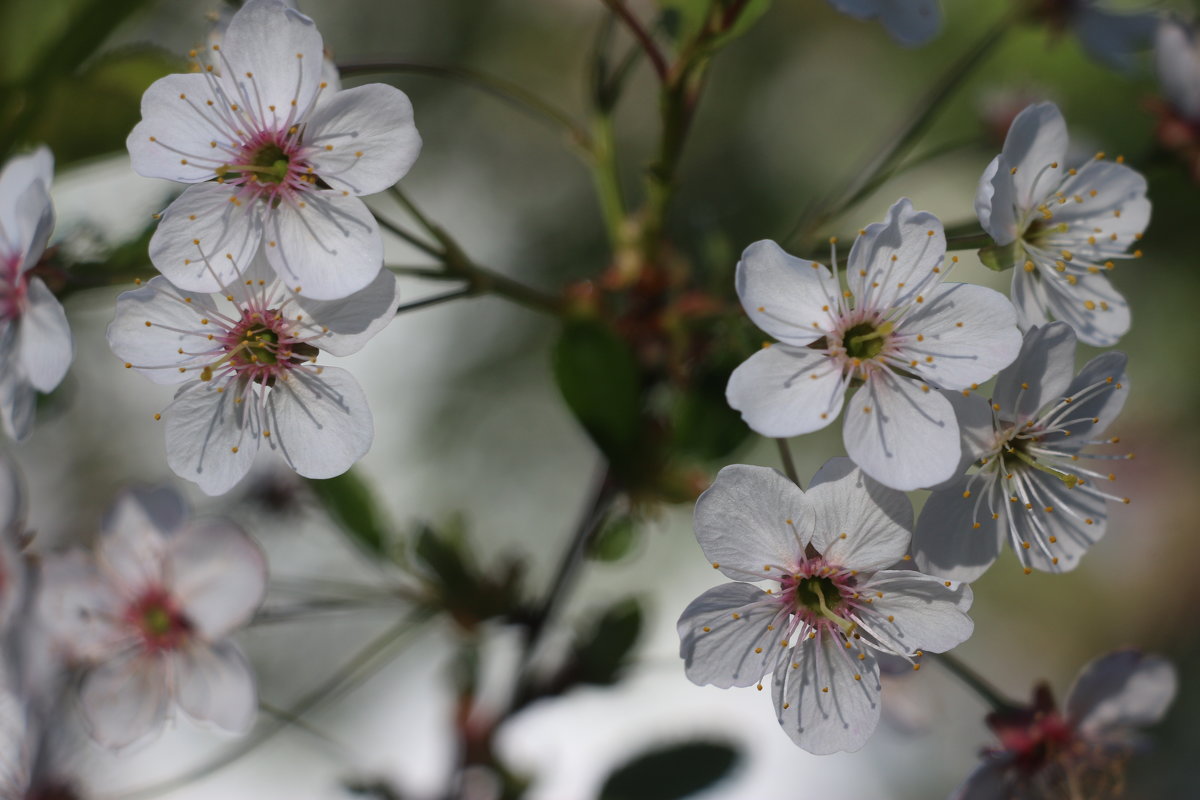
column 1027, row 442
column 834, row 603
column 35, row 340
column 1080, row 751
column 149, row 614
column 247, row 362
column 1114, row 38
column 1177, row 62
column 909, row 22
column 271, row 164
column 897, row 331
column 1065, row 226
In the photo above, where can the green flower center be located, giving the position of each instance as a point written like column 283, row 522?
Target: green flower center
column 156, row 621
column 818, row 594
column 865, row 341
column 260, row 345
column 271, row 163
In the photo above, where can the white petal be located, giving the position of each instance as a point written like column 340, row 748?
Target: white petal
column 1126, row 689
column 947, row 542
column 228, row 234
column 786, row 391
column 909, row 22
column 216, row 684
column 211, row 438
column 995, row 200
column 1113, row 38
column 969, row 332
column 724, row 638
column 1036, row 139
column 174, row 325
column 751, row 518
column 282, row 51
column 14, row 503
column 17, row 737
column 79, row 607
column 1177, row 63
column 320, row 423
column 901, row 434
column 976, row 427
column 787, row 297
column 828, row 710
column 26, row 215
column 857, row 522
column 1028, row 298
column 44, row 338
column 21, row 172
column 893, row 259
column 374, row 141
column 1040, row 375
column 1076, row 521
column 217, row 574
column 131, row 547
column 1098, row 394
column 1097, row 312
column 125, row 699
column 162, row 506
column 354, row 320
column 1106, row 211
column 327, row 248
column 180, row 122
column 918, row 612
column 17, row 398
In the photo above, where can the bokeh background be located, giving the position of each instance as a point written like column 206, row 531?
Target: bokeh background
column 470, row 424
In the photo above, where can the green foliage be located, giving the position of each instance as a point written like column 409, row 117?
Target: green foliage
column 703, row 425
column 348, row 501
column 684, row 19
column 670, row 773
column 614, row 540
column 602, row 652
column 999, row 258
column 459, row 586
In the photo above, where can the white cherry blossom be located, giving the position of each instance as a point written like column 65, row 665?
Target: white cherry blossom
column 832, row 604
column 1177, row 62
column 278, row 157
column 149, row 617
column 909, row 22
column 1062, row 228
column 35, row 340
column 246, row 362
column 1031, row 484
column 897, row 331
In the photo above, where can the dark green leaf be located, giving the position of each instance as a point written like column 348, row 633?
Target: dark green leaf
column 347, row 500
column 671, row 773
column 614, row 541
column 704, row 426
column 42, row 40
column 602, row 654
column 441, row 556
column 1002, row 257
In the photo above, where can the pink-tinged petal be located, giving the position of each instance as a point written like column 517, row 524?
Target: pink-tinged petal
column 995, row 202
column 909, row 22
column 901, row 433
column 1036, row 147
column 891, row 261
column 1177, row 63
column 181, row 136
column 271, row 56
column 125, row 699
column 320, row 423
column 1097, row 312
column 1097, row 395
column 354, row 320
column 826, row 698
column 131, row 549
column 325, row 246
column 175, row 325
column 26, row 215
column 790, row 298
column 857, row 522
column 730, row 636
column 1040, row 375
column 1125, row 689
column 918, row 612
column 960, row 335
column 17, row 400
column 992, row 780
column 786, row 391
column 752, row 523
column 216, row 685
column 211, row 436
column 80, row 608
column 1076, row 521
column 947, row 542
column 1111, row 37
column 205, row 238
column 44, row 338
column 217, row 574
column 365, row 138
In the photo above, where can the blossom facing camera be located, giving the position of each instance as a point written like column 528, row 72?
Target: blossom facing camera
column 278, row 156
column 832, row 603
column 896, row 333
column 35, row 340
column 247, row 362
column 1032, row 484
column 910, row 22
column 1062, row 228
column 1082, row 750
column 149, row 614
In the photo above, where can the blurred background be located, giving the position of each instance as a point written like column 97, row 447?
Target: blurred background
column 473, row 439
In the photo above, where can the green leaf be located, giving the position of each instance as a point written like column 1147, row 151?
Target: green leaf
column 442, row 556
column 703, row 424
column 602, row 654
column 1002, row 257
column 614, row 541
column 598, row 378
column 42, row 40
column 347, row 500
column 671, row 773
column 684, row 19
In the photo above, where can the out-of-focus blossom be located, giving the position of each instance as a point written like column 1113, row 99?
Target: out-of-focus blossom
column 1113, row 38
column 1178, row 66
column 35, row 341
column 833, row 603
column 909, row 22
column 1081, row 751
column 12, row 529
column 1030, row 486
column 897, row 332
column 1062, row 228
column 149, row 614
column 271, row 165
column 246, row 360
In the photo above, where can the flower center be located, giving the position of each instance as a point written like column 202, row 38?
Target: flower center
column 818, row 595
column 864, row 341
column 271, row 163
column 13, row 287
column 158, row 621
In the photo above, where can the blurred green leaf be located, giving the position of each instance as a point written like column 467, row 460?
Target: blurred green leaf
column 683, row 19
column 703, row 424
column 442, row 557
column 614, row 540
column 602, row 652
column 598, row 378
column 348, row 501
column 42, row 40
column 1002, row 257
column 670, row 773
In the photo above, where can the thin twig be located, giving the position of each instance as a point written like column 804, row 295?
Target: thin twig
column 789, row 466
column 976, row 683
column 643, row 37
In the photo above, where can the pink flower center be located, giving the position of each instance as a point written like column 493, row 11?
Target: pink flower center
column 261, row 346
column 271, row 166
column 13, row 288
column 158, row 621
column 819, row 594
